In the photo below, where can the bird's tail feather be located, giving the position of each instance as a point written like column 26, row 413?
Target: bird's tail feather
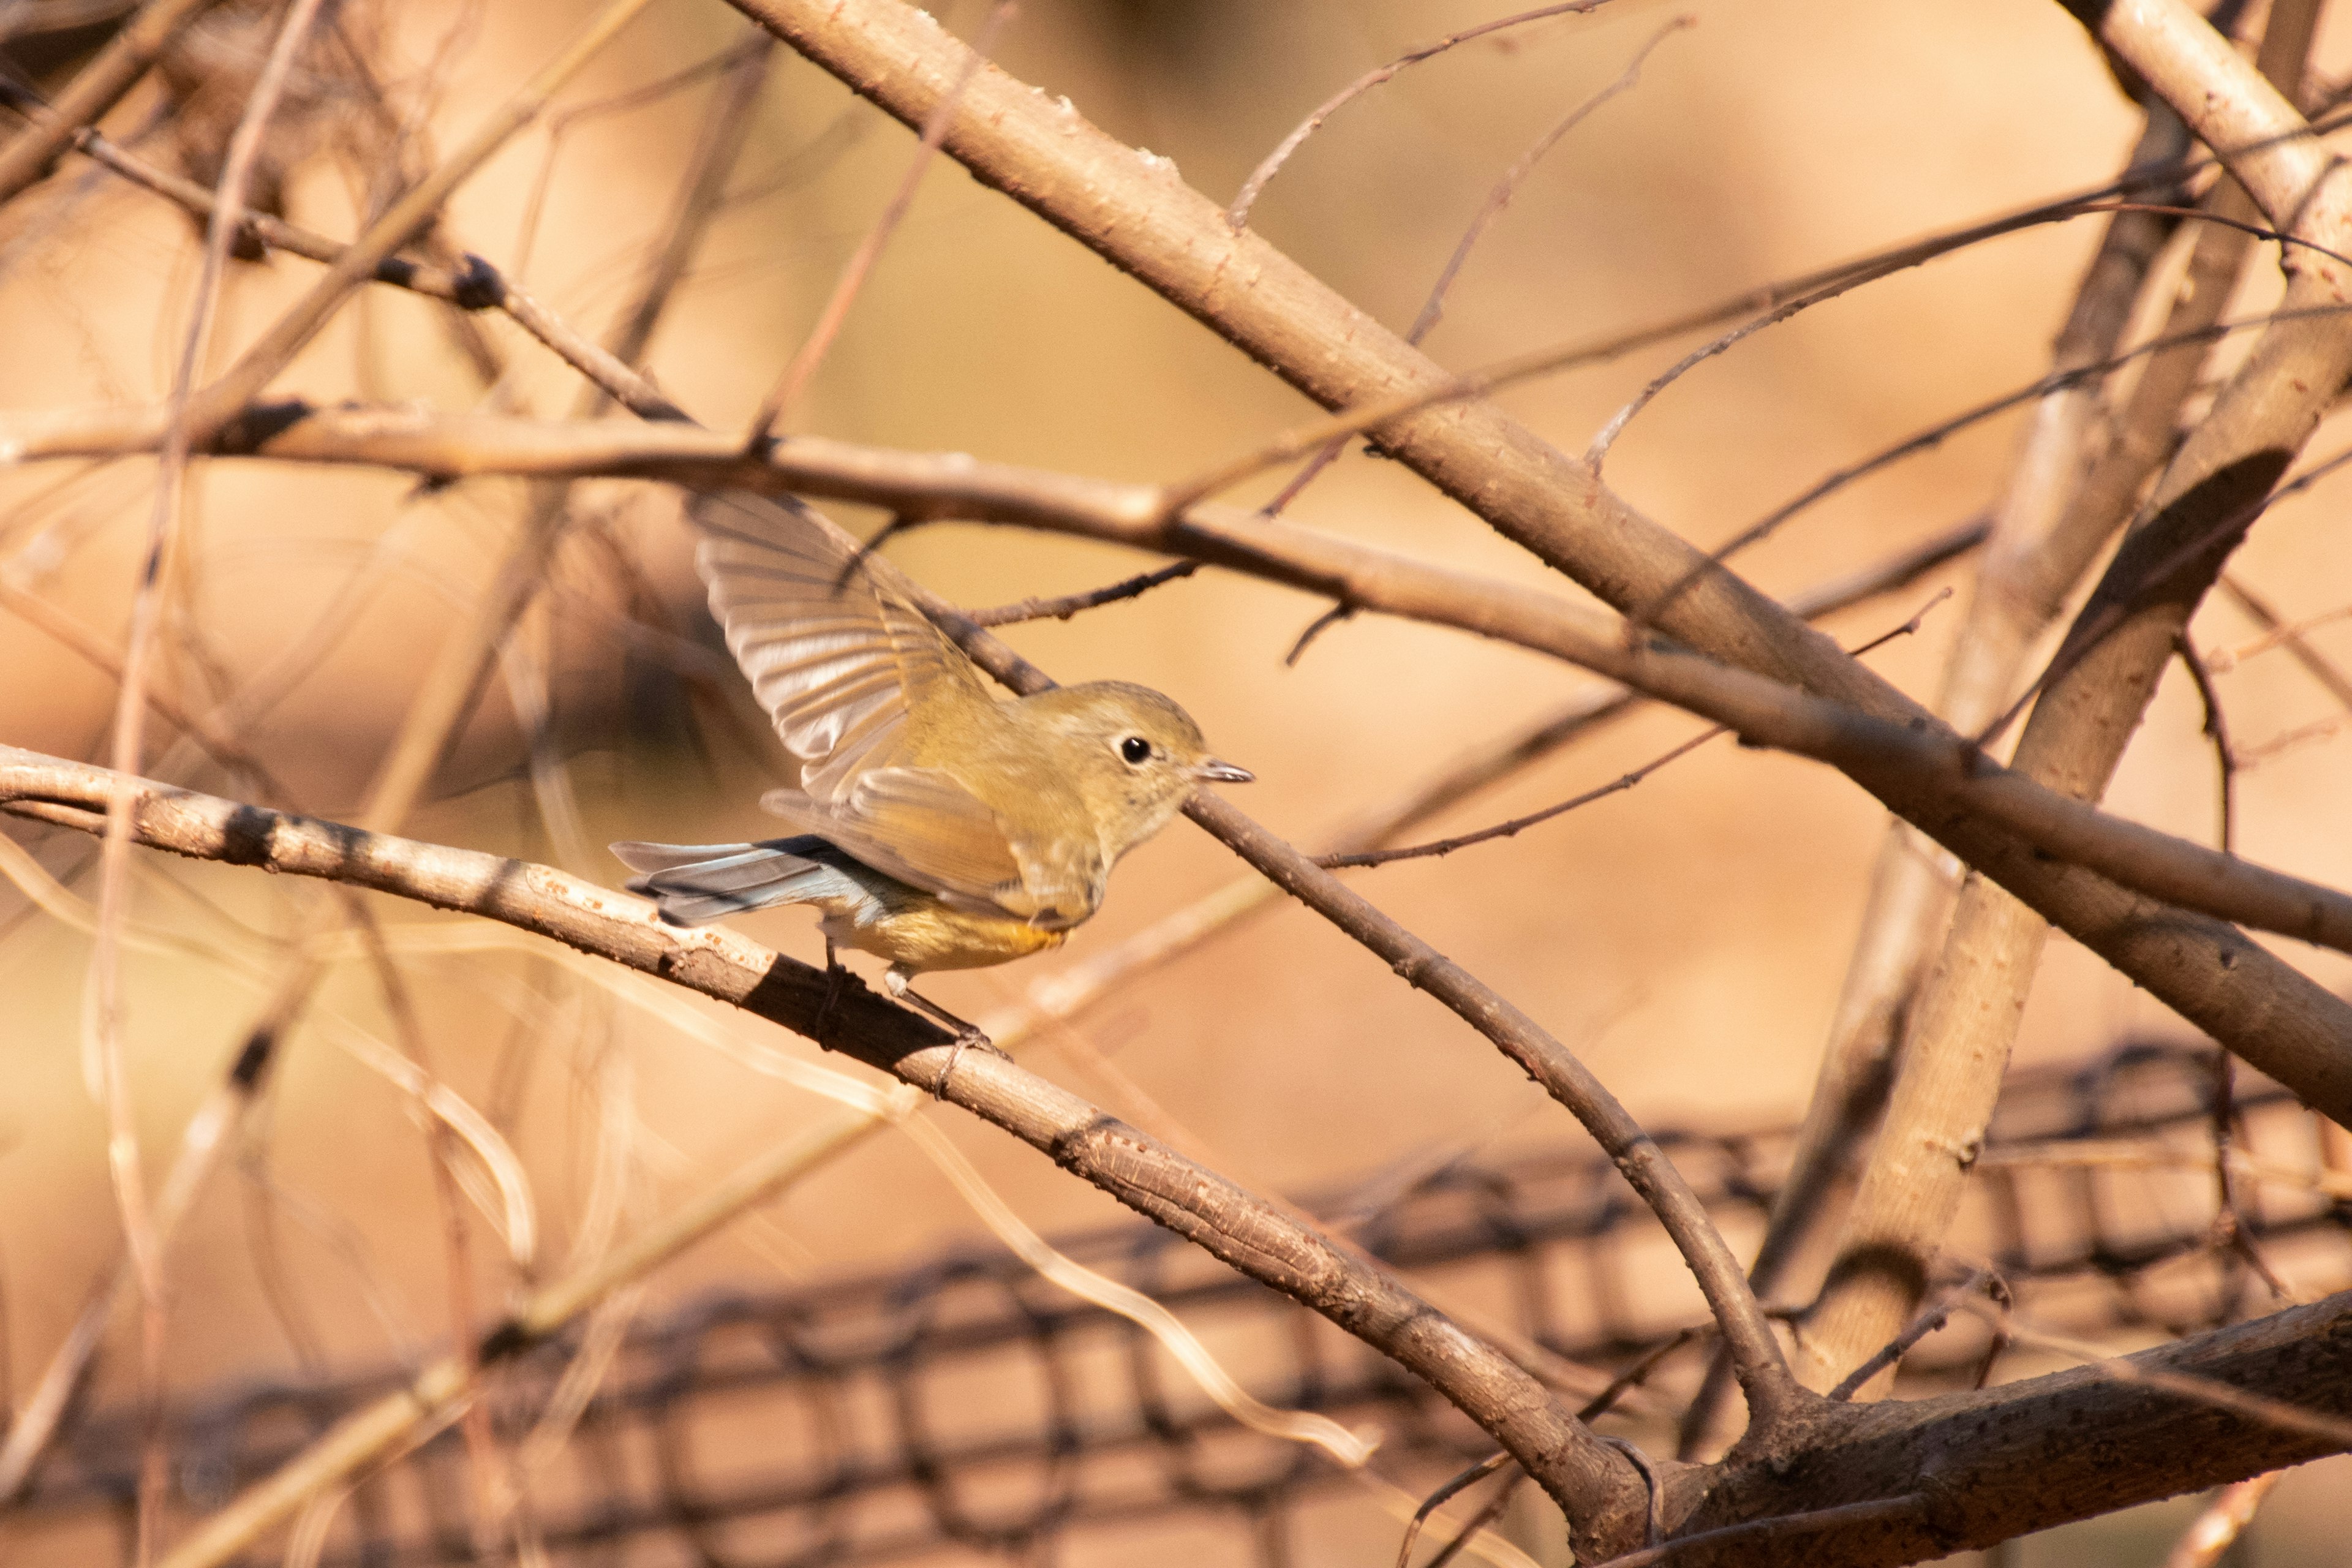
column 698, row 883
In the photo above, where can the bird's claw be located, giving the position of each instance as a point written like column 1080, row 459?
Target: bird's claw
column 966, row 1038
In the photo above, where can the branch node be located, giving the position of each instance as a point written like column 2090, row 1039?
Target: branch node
column 477, row 286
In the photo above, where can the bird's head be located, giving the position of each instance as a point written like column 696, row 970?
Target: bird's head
column 1135, row 756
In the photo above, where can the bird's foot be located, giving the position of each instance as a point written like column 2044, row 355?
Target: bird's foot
column 967, row 1039
column 967, row 1035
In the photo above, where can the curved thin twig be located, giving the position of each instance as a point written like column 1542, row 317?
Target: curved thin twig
column 1253, row 188
column 1500, row 196
column 794, row 378
column 1070, row 605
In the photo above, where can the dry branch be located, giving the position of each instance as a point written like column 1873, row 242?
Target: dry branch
column 101, row 85
column 2025, row 836
column 1258, row 1238
column 2187, row 1415
column 1141, row 217
column 1254, row 186
column 2051, row 522
column 417, row 208
column 2105, row 674
column 1910, row 887
column 1989, row 1470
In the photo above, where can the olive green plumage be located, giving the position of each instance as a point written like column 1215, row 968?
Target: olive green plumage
column 935, row 824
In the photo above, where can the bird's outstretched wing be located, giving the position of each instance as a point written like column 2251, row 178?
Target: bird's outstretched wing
column 833, row 653
column 839, row 659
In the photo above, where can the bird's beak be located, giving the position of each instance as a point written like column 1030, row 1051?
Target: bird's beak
column 1215, row 771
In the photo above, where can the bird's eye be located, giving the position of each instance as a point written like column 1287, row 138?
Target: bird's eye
column 1135, row 748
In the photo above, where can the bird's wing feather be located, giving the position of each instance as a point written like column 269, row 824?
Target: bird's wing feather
column 833, row 653
column 837, row 656
column 1063, row 879
column 921, row 826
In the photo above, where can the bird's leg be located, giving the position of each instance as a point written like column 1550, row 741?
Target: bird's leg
column 967, row 1034
column 836, row 975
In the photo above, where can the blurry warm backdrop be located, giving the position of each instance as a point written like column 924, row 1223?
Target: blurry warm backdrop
column 1687, row 937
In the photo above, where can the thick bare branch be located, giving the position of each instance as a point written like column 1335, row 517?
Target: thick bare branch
column 1755, row 1353
column 2025, row 836
column 1258, row 1238
column 2051, row 523
column 2105, row 674
column 1141, row 216
column 2186, row 1415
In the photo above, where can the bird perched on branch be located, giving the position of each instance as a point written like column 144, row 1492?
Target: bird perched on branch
column 936, row 825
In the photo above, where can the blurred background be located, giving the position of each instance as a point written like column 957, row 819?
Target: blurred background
column 1686, row 937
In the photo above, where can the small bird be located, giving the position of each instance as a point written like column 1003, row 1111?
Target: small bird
column 937, row 826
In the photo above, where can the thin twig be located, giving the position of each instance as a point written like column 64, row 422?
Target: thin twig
column 736, row 55
column 97, row 89
column 1333, row 616
column 1253, row 188
column 1070, row 605
column 611, row 374
column 2277, row 631
column 1896, row 1349
column 1441, row 1496
column 1943, row 430
column 104, row 1027
column 1465, row 386
column 1518, row 824
column 1654, row 1519
column 803, row 363
column 1500, row 196
column 2216, row 730
column 2288, row 740
column 204, row 730
column 1596, row 453
column 1481, row 1521
column 702, row 194
column 2221, row 661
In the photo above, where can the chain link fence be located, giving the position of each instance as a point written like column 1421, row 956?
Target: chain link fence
column 965, row 1408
